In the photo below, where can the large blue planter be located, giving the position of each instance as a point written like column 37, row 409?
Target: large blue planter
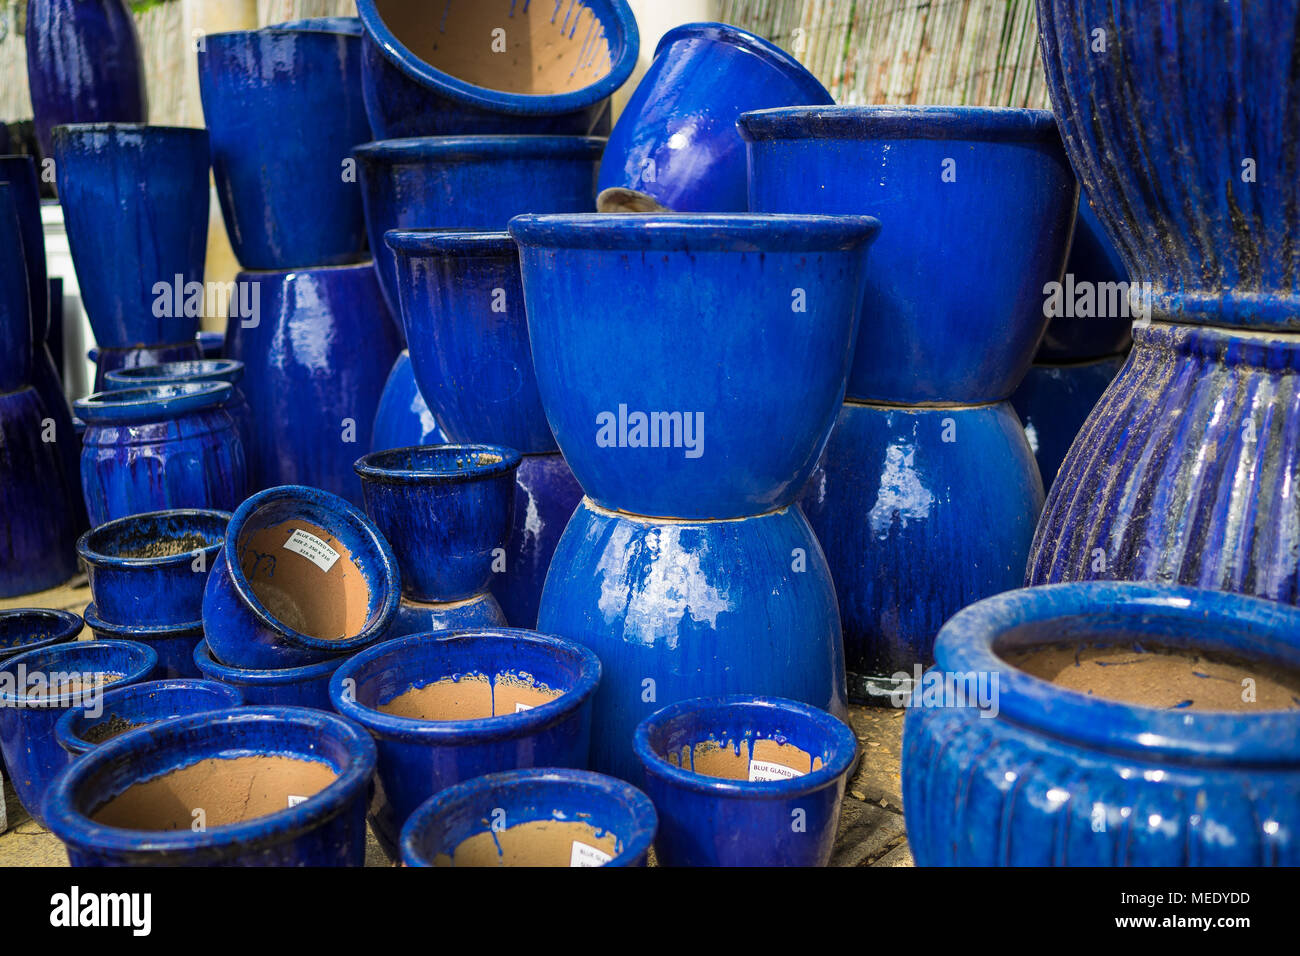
column 201, row 370
column 305, row 686
column 173, row 643
column 78, row 731
column 403, row 419
column 1045, row 776
column 326, row 829
column 284, row 108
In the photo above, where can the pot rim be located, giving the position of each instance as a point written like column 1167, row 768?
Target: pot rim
column 766, row 51
column 78, row 130
column 452, row 243
column 140, row 671
column 71, row 741
column 982, row 123
column 414, row 149
column 142, row 633
column 151, row 403
column 225, row 673
column 370, row 468
column 328, row 26
column 696, row 232
column 68, row 625
column 86, row 544
column 167, row 373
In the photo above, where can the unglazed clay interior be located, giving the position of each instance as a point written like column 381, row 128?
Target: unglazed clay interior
column 535, row 843
column 733, row 760
column 470, row 697
column 61, row 683
column 540, row 47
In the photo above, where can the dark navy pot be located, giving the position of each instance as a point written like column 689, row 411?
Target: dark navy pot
column 676, row 139
column 17, row 330
column 978, row 205
column 174, row 643
column 19, row 172
column 284, row 108
column 111, row 360
column 313, row 586
column 327, row 829
column 201, row 370
column 305, row 686
column 211, row 344
column 611, row 807
column 32, row 756
column 418, row 758
column 595, row 43
column 771, row 814
column 1053, row 777
column 141, row 704
column 403, row 418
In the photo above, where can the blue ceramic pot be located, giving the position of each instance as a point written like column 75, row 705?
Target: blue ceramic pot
column 211, row 344
column 745, row 781
column 135, row 203
column 160, row 448
column 19, row 172
column 1042, row 775
column 83, row 65
column 950, row 314
column 30, row 629
column 108, row 361
column 316, row 349
column 201, row 370
column 463, row 308
column 420, row 617
column 544, row 719
column 403, row 418
column 174, row 643
column 17, row 334
column 326, row 829
column 305, row 686
column 29, row 711
column 676, row 139
column 649, row 426
column 302, row 577
column 591, row 806
column 79, row 731
column 424, row 75
column 284, row 108
column 671, row 610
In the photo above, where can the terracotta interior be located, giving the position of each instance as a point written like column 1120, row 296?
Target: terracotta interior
column 161, row 547
column 550, row 46
column 114, row 726
column 536, row 843
column 731, row 761
column 75, row 684
column 472, row 697
column 226, row 790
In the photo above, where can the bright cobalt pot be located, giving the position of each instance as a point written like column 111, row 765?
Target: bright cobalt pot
column 311, row 772
column 452, row 705
column 551, row 818
column 421, row 78
column 745, row 781
column 302, row 576
column 1176, row 769
column 123, row 709
column 174, row 643
column 197, row 370
column 403, row 417
column 36, row 687
column 304, row 686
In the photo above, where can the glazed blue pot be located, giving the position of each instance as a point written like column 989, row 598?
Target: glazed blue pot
column 327, row 829
column 316, row 353
column 305, row 686
column 469, row 182
column 160, row 448
column 31, row 629
column 135, row 203
column 420, row 757
column 83, row 65
column 463, row 308
column 211, row 344
column 140, row 704
column 403, row 419
column 611, row 808
column 650, row 427
column 302, row 577
column 1053, row 777
column 284, row 108
column 417, row 85
column 201, row 370
column 173, row 643
column 745, row 781
column 950, row 314
column 25, row 192
column 32, row 756
column 17, row 333
column 676, row 139
column 108, row 361
column 672, row 610
column 420, row 617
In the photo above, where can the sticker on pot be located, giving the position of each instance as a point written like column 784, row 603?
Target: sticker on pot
column 312, row 548
column 294, row 801
column 520, row 707
column 766, row 770
column 584, row 855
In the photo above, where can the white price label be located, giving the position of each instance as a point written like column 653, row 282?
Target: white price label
column 520, row 707
column 294, row 801
column 312, row 548
column 766, row 770
column 584, row 855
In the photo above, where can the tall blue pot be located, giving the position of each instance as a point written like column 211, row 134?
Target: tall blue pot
column 403, row 418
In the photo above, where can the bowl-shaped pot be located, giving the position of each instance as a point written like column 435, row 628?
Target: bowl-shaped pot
column 302, row 576
column 196, row 370
column 110, row 360
column 17, row 336
column 636, row 401
column 32, row 628
column 20, row 173
column 100, row 809
column 403, row 417
column 129, row 708
column 305, row 686
column 173, row 643
column 532, row 818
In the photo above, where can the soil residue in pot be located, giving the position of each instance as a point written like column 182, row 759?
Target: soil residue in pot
column 108, row 729
column 165, row 547
column 535, row 843
column 770, row 760
column 79, row 685
column 471, row 697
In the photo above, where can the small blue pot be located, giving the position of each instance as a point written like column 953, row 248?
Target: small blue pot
column 199, row 370
column 32, row 756
column 772, row 813
column 409, row 95
column 19, row 172
column 284, row 107
column 319, row 561
column 305, row 686
column 676, row 139
column 418, row 758
column 777, row 295
column 403, row 418
column 418, row 617
column 327, row 829
column 141, row 704
column 174, row 643
column 612, row 807
column 110, row 360
column 31, row 629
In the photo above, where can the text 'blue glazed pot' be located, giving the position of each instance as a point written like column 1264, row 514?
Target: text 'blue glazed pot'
column 173, row 643
column 128, row 708
column 305, row 686
column 197, row 370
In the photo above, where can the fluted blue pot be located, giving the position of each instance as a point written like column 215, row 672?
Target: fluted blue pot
column 139, row 705
column 29, row 629
column 201, row 370
column 417, row 84
column 174, row 643
column 19, row 172
column 305, row 686
column 672, row 609
column 403, row 417
column 776, row 802
column 1041, row 775
column 109, row 360
column 676, row 140
column 418, row 758
column 303, row 576
column 284, row 107
column 135, row 204
column 327, row 829
column 610, row 807
column 28, row 712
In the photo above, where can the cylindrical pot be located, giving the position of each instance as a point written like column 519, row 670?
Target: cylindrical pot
column 676, row 141
column 448, row 706
column 105, row 807
column 1009, row 760
column 532, row 818
column 17, row 334
column 403, row 417
column 745, row 781
column 109, row 360
column 173, row 643
column 125, row 709
column 19, row 172
column 302, row 576
column 284, row 107
column 305, row 686
column 200, row 370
